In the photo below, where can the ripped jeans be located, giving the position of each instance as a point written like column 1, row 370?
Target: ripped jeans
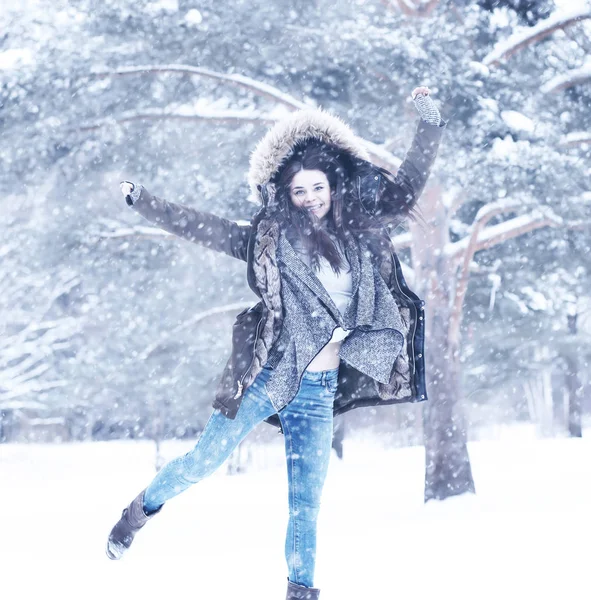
column 307, row 423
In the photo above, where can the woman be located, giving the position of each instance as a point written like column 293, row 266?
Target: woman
column 336, row 326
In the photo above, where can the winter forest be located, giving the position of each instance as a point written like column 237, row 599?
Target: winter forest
column 114, row 333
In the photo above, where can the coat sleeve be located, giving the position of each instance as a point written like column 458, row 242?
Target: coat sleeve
column 413, row 173
column 193, row 225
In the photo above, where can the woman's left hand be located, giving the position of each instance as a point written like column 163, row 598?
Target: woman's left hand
column 420, row 90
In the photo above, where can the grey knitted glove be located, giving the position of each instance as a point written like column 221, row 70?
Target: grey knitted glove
column 427, row 109
column 130, row 191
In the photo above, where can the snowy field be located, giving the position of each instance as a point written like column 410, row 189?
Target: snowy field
column 524, row 536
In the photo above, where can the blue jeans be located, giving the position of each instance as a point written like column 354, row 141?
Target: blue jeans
column 307, row 423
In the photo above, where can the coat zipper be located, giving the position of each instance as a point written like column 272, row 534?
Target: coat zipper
column 240, row 382
column 255, row 223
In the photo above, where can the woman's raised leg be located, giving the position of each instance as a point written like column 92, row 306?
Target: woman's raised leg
column 215, row 444
column 217, row 441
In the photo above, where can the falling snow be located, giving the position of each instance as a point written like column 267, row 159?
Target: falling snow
column 114, row 333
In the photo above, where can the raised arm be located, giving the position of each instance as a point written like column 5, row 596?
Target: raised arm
column 193, row 225
column 397, row 197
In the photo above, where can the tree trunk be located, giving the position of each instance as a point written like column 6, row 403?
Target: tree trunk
column 447, row 464
column 559, row 404
column 239, row 459
column 573, row 386
column 574, row 399
column 544, row 400
column 158, row 458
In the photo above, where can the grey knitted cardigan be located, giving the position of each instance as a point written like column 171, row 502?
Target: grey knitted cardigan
column 310, row 317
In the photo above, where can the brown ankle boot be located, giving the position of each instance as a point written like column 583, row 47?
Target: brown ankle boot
column 300, row 592
column 133, row 518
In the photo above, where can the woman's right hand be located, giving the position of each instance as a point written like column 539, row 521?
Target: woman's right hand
column 126, row 187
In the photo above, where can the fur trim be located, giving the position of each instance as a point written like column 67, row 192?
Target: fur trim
column 268, row 279
column 399, row 386
column 278, row 142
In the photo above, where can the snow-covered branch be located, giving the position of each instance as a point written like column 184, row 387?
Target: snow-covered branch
column 530, row 35
column 568, row 79
column 259, row 88
column 378, row 154
column 23, row 357
column 227, row 117
column 483, row 216
column 575, row 138
column 29, row 387
column 491, row 236
column 482, row 237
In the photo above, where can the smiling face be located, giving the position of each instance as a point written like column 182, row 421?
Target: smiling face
column 309, row 189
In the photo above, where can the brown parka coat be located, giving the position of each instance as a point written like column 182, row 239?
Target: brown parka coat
column 257, row 328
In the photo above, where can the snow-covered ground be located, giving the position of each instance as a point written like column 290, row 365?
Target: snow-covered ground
column 525, row 535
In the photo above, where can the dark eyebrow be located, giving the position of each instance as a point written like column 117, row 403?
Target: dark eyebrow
column 301, row 187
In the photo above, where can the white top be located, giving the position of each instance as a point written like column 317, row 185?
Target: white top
column 339, row 288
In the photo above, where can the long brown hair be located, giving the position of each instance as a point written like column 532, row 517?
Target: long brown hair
column 346, row 216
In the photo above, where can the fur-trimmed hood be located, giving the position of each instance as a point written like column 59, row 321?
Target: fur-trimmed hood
column 278, row 143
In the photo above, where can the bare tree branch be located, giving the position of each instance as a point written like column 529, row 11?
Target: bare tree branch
column 378, row 154
column 481, row 238
column 484, row 215
column 259, row 88
column 226, row 117
column 491, row 236
column 527, row 36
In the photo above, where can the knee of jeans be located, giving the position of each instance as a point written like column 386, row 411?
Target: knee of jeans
column 196, row 466
column 305, row 511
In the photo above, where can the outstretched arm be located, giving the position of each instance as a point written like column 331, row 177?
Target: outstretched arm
column 193, row 225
